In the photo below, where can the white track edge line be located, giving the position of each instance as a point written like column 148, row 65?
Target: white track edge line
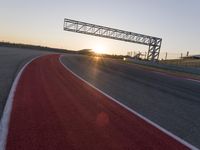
column 180, row 78
column 132, row 111
column 4, row 123
column 193, row 80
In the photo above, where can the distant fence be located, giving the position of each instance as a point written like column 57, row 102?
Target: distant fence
column 187, row 63
column 174, row 59
column 162, row 56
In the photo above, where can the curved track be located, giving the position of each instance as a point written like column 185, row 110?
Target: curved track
column 171, row 102
column 11, row 61
column 53, row 109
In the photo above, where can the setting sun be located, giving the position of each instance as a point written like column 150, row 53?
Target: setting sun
column 99, row 49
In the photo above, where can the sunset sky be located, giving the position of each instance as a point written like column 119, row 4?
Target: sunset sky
column 40, row 22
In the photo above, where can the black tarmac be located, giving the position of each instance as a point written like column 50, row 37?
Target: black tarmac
column 171, row 102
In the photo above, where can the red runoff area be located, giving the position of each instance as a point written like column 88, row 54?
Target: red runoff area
column 54, row 110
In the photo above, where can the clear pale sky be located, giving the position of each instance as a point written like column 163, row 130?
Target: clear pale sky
column 40, row 22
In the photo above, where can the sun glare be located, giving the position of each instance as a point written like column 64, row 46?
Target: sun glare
column 99, row 49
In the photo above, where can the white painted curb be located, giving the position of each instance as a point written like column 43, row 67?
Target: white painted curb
column 134, row 112
column 4, row 123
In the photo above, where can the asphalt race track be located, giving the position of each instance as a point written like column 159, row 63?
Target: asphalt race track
column 59, row 110
column 53, row 109
column 171, row 102
column 11, row 60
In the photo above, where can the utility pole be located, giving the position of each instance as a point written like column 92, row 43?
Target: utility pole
column 187, row 53
column 166, row 56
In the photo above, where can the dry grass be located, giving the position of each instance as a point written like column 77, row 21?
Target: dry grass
column 183, row 62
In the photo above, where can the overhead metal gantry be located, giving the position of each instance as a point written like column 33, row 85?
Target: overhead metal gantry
column 154, row 43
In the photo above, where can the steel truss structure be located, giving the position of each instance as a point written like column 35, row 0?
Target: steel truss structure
column 154, row 43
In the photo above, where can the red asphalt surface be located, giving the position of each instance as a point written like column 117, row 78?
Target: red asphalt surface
column 54, row 110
